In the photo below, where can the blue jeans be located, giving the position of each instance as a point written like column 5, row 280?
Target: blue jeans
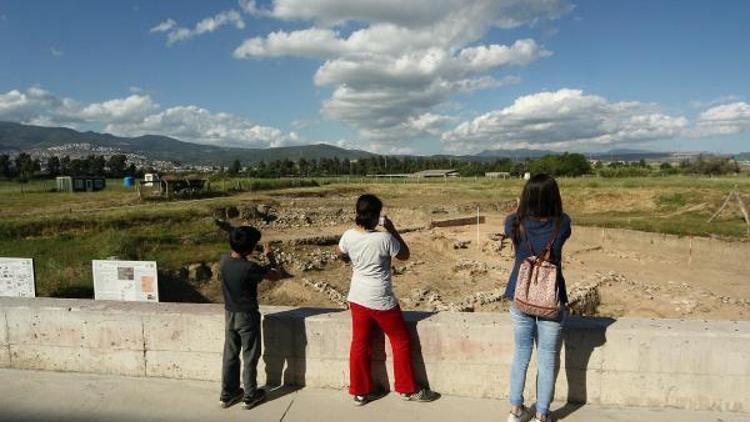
column 547, row 333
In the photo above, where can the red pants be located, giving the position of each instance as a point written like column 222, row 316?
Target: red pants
column 360, row 355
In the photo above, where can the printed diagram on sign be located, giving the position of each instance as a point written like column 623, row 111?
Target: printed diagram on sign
column 125, row 273
column 125, row 280
column 17, row 277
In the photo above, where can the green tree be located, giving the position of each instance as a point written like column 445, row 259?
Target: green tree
column 53, row 166
column 235, row 168
column 6, row 168
column 65, row 165
column 26, row 166
column 117, row 165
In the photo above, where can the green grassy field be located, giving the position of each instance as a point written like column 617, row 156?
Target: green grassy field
column 64, row 231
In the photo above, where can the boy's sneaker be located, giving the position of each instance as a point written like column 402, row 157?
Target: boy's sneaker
column 255, row 399
column 422, row 395
column 523, row 416
column 547, row 418
column 231, row 401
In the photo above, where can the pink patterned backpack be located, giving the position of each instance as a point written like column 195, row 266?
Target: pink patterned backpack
column 537, row 292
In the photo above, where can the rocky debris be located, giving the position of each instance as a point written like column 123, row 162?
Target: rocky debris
column 261, row 212
column 426, row 298
column 583, row 298
column 431, row 299
column 306, row 217
column 439, row 210
column 316, row 260
column 496, row 236
column 403, row 269
column 326, row 289
column 328, row 240
column 474, row 268
column 461, row 244
column 471, row 302
column 492, row 248
column 510, row 205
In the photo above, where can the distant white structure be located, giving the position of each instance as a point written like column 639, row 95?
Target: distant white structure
column 526, row 176
column 150, row 178
column 498, row 174
column 436, row 173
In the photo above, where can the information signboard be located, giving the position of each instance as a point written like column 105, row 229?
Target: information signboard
column 125, row 280
column 17, row 277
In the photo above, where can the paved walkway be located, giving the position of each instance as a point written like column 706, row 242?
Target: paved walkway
column 52, row 396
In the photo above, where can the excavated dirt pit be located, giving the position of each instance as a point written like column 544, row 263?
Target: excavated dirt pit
column 609, row 272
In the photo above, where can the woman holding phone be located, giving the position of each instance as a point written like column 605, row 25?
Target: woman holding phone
column 373, row 303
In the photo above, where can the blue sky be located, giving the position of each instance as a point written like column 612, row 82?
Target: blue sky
column 425, row 76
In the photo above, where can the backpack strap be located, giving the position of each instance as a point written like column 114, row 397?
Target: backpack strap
column 547, row 251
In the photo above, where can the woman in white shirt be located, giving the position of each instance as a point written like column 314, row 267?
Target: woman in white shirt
column 373, row 303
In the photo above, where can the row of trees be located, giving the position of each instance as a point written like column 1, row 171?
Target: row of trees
column 558, row 165
column 23, row 167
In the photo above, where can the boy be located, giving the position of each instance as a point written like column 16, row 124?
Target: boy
column 239, row 280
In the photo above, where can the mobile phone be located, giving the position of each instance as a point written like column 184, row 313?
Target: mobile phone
column 381, row 220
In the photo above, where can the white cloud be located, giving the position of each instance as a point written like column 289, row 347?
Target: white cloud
column 56, row 52
column 176, row 33
column 402, row 60
column 164, row 26
column 138, row 114
column 725, row 119
column 564, row 119
column 35, row 105
column 249, row 7
column 119, row 110
column 504, row 14
column 196, row 124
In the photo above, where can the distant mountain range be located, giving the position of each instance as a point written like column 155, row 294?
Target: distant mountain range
column 15, row 137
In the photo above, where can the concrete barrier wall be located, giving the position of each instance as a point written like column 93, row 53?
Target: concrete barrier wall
column 628, row 362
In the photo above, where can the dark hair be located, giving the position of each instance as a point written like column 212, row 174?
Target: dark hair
column 540, row 199
column 368, row 211
column 243, row 239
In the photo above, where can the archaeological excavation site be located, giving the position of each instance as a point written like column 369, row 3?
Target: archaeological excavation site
column 461, row 261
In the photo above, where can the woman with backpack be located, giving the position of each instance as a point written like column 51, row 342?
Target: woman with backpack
column 538, row 229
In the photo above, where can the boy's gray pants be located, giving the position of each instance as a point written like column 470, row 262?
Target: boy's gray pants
column 242, row 333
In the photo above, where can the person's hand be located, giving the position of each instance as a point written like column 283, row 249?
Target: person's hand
column 267, row 249
column 388, row 225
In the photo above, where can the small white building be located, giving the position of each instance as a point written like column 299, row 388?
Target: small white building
column 498, row 174
column 151, row 179
column 436, row 173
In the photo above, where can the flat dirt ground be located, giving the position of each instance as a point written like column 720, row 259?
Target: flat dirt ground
column 611, row 272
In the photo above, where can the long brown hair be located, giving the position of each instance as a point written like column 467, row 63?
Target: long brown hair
column 540, row 199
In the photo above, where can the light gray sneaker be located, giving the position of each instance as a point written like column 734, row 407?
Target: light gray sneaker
column 523, row 416
column 547, row 418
